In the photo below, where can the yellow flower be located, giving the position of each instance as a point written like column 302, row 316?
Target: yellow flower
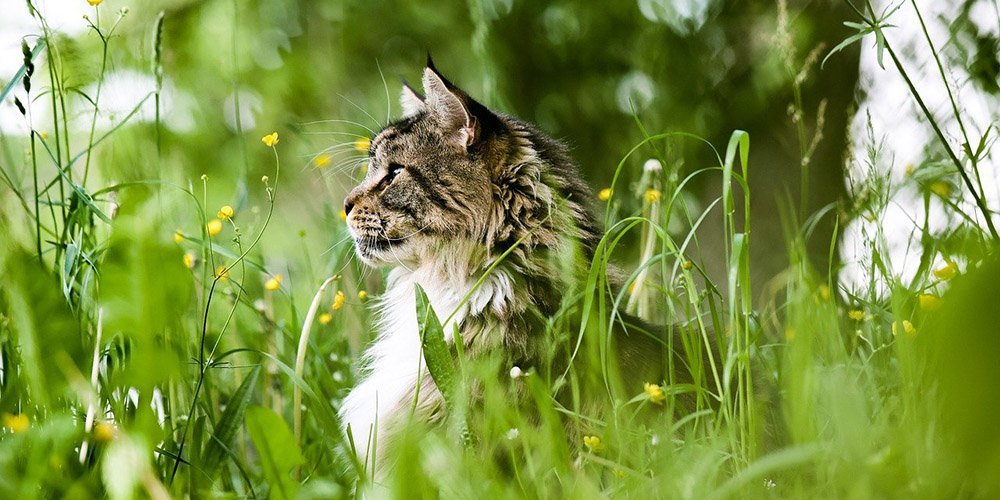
column 338, row 300
column 270, row 140
column 274, row 283
column 43, row 134
column 941, row 188
column 362, row 295
column 214, row 227
column 929, row 302
column 226, row 212
column 789, row 334
column 856, row 314
column 362, row 144
column 909, row 170
column 16, row 423
column 325, row 318
column 946, row 272
column 189, row 260
column 343, row 215
column 908, row 329
column 687, row 264
column 652, row 195
column 104, row 432
column 94, row 3
column 593, row 443
column 178, row 237
column 605, row 194
column 655, row 393
column 321, row 160
column 824, row 292
column 222, row 273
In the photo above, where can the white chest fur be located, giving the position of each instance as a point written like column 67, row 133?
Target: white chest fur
column 394, row 362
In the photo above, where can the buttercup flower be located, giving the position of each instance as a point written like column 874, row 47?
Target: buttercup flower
column 189, row 260
column 593, row 443
column 178, row 237
column 94, row 3
column 222, row 273
column 273, row 283
column 226, row 212
column 856, row 314
column 16, row 423
column 655, row 393
column 362, row 144
column 321, row 160
column 946, row 272
column 343, row 215
column 929, row 302
column 908, row 329
column 325, row 318
column 652, row 195
column 270, row 140
column 362, row 295
column 338, row 300
column 605, row 194
column 687, row 264
column 214, row 227
column 104, row 432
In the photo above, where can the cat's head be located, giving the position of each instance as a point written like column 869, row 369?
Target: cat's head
column 453, row 172
column 430, row 176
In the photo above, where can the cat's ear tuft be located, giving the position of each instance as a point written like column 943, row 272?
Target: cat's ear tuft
column 412, row 102
column 457, row 125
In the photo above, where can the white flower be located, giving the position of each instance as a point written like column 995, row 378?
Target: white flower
column 513, row 434
column 516, row 372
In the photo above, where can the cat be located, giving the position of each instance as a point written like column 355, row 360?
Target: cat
column 450, row 187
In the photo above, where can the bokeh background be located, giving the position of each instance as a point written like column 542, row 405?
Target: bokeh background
column 583, row 71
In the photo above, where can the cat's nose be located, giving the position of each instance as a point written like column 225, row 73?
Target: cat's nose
column 350, row 201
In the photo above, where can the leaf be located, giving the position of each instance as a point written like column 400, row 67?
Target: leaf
column 46, row 334
column 224, row 435
column 842, row 45
column 279, row 454
column 436, row 353
column 145, row 290
column 20, row 72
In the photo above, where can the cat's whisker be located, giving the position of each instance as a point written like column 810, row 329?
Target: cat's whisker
column 349, row 122
column 363, row 110
column 388, row 100
column 393, row 251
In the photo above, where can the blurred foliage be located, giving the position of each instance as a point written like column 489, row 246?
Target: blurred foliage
column 148, row 344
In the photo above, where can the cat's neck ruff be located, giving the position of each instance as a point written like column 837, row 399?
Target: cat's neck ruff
column 395, row 359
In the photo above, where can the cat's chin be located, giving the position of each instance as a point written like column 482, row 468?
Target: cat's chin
column 380, row 253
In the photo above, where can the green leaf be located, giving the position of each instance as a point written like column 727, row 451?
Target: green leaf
column 20, row 72
column 436, row 353
column 279, row 454
column 145, row 290
column 46, row 334
column 225, row 429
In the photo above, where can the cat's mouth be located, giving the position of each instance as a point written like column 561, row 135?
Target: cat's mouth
column 376, row 249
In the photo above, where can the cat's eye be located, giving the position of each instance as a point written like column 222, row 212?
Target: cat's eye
column 393, row 170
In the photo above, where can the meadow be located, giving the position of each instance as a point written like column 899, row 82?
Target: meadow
column 181, row 310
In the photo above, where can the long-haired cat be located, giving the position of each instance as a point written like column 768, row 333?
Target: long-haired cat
column 450, row 187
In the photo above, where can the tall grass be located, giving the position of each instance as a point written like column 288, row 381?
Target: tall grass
column 150, row 348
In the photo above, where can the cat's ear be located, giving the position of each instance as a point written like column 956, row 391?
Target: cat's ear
column 412, row 102
column 457, row 124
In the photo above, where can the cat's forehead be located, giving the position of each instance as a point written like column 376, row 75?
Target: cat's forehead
column 396, row 135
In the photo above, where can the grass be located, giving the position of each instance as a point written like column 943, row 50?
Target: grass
column 150, row 348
